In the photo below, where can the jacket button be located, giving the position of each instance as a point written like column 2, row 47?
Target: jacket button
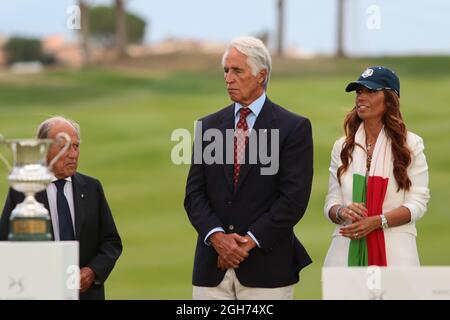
column 230, row 202
column 231, row 227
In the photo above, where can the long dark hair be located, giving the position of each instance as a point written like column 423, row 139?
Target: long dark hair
column 395, row 130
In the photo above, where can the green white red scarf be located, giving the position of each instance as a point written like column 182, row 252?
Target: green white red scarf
column 370, row 188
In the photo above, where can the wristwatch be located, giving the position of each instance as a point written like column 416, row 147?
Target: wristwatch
column 338, row 215
column 384, row 222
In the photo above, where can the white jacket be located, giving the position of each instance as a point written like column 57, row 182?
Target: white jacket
column 415, row 199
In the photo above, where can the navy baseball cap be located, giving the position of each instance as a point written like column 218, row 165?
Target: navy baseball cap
column 376, row 78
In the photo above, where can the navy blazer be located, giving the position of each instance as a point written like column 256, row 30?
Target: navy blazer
column 269, row 206
column 99, row 241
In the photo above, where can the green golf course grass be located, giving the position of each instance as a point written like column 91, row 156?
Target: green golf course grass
column 127, row 117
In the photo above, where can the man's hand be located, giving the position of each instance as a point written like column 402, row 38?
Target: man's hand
column 228, row 248
column 221, row 264
column 87, row 277
column 249, row 245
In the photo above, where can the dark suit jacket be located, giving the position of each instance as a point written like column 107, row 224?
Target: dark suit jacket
column 269, row 206
column 99, row 241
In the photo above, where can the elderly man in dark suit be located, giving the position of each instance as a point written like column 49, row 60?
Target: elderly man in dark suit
column 78, row 210
column 246, row 246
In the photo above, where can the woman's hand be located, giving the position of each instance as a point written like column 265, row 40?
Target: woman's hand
column 361, row 228
column 354, row 211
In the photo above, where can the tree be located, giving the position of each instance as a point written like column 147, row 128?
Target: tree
column 102, row 22
column 121, row 28
column 340, row 29
column 263, row 36
column 280, row 27
column 84, row 31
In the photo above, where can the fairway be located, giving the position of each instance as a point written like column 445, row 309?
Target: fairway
column 127, row 117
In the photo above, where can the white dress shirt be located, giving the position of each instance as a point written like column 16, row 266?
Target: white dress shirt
column 51, row 195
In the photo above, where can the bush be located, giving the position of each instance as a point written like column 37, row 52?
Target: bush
column 23, row 49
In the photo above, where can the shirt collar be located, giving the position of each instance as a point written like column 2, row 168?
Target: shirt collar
column 255, row 106
column 56, row 179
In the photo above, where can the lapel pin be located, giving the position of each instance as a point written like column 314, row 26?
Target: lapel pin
column 82, row 196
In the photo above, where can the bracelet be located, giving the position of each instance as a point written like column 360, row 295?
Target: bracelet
column 384, row 222
column 338, row 215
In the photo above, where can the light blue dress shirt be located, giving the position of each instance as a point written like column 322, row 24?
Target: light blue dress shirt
column 255, row 107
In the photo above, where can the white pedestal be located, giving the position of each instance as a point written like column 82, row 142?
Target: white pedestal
column 39, row 270
column 378, row 283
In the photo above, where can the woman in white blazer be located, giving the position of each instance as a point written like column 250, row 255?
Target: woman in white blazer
column 378, row 184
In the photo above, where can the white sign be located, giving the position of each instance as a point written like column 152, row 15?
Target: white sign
column 39, row 270
column 385, row 283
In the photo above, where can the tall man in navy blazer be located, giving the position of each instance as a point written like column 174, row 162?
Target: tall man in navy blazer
column 246, row 246
column 87, row 217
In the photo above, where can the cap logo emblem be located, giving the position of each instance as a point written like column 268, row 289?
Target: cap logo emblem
column 367, row 73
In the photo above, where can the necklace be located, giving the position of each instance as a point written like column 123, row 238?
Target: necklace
column 369, row 156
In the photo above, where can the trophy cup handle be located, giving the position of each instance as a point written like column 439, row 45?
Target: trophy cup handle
column 65, row 136
column 2, row 157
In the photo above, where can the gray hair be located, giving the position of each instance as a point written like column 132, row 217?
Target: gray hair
column 45, row 127
column 257, row 53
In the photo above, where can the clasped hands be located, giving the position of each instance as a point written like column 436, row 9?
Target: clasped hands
column 361, row 224
column 231, row 248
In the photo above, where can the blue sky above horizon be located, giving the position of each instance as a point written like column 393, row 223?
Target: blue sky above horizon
column 373, row 27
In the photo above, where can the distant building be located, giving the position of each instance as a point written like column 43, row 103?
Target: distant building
column 186, row 45
column 64, row 52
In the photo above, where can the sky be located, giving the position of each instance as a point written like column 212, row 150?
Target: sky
column 372, row 27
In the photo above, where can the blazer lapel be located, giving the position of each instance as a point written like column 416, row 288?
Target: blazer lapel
column 227, row 122
column 79, row 202
column 264, row 121
column 42, row 198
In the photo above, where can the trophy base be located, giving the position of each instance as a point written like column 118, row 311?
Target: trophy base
column 30, row 229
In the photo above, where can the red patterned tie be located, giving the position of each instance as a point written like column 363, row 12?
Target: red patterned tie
column 240, row 139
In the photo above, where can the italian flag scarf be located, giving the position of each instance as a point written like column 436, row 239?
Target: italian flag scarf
column 370, row 188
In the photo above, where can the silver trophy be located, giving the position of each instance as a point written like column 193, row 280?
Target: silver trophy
column 30, row 220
